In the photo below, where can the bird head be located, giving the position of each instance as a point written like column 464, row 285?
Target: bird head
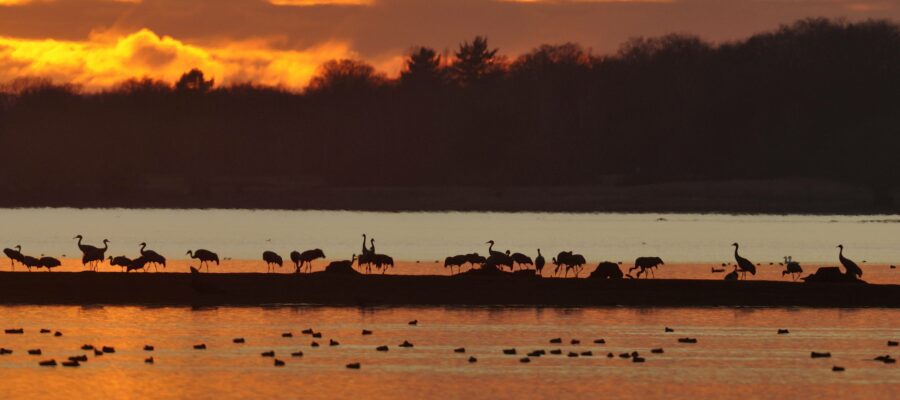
column 734, row 244
column 19, row 247
column 840, row 246
column 78, row 237
column 143, row 244
column 188, row 252
column 489, row 242
column 105, row 241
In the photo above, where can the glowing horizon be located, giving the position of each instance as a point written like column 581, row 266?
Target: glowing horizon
column 100, row 43
column 105, row 60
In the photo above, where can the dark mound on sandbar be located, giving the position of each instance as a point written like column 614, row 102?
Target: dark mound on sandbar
column 487, row 287
column 831, row 275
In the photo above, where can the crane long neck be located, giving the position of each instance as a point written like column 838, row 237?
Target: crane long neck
column 736, row 251
column 491, row 248
column 191, row 253
column 142, row 247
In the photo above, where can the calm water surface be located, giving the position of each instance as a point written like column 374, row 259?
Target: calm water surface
column 739, row 354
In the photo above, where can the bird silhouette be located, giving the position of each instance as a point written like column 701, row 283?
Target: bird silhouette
column 455, row 261
column 851, row 267
column 742, row 263
column 475, row 259
column 306, row 257
column 92, row 255
column 644, row 264
column 364, row 249
column 342, row 266
column 152, row 257
column 119, row 261
column 570, row 261
column 382, row 262
column 733, row 275
column 48, row 262
column 14, row 256
column 205, row 256
column 31, row 262
column 539, row 262
column 792, row 267
column 521, row 259
column 491, row 252
column 272, row 259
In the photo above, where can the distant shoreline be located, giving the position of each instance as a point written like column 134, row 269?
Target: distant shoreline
column 174, row 289
column 787, row 196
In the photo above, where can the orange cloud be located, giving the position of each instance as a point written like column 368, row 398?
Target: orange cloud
column 107, row 59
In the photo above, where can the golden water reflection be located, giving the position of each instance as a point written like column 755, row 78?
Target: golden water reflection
column 739, row 354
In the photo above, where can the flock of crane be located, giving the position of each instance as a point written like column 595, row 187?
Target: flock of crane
column 567, row 261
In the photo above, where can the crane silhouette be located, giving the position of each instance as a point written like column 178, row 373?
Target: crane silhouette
column 152, row 257
column 733, row 275
column 48, row 262
column 492, row 252
column 307, row 258
column 851, row 267
column 521, row 259
column 121, row 261
column 342, row 266
column 364, row 249
column 31, row 262
column 92, row 255
column 539, row 262
column 742, row 263
column 14, row 256
column 295, row 258
column 205, row 256
column 792, row 267
column 272, row 259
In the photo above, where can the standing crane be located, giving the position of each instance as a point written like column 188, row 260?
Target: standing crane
column 272, row 259
column 152, row 257
column 205, row 256
column 14, row 256
column 539, row 262
column 851, row 267
column 492, row 252
column 791, row 267
column 92, row 255
column 742, row 263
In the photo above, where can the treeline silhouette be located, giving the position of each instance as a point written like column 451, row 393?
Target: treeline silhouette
column 818, row 98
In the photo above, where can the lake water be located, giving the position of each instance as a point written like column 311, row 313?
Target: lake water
column 738, row 354
column 689, row 243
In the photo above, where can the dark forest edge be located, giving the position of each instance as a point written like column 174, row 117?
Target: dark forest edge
column 660, row 122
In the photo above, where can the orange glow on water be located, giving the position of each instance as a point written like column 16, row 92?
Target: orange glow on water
column 307, row 3
column 738, row 355
column 106, row 59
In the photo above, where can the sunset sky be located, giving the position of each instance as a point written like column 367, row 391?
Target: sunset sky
column 97, row 43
